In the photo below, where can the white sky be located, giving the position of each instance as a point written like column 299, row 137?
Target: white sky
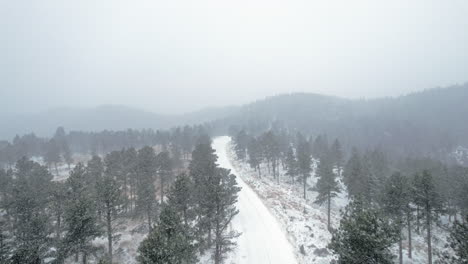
column 178, row 56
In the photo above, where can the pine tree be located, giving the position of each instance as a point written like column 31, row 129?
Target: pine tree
column 430, row 202
column 202, row 170
column 255, row 155
column 225, row 189
column 80, row 220
column 336, row 154
column 304, row 161
column 67, row 155
column 168, row 243
column 291, row 164
column 327, row 186
column 164, row 170
column 109, row 196
column 270, row 146
column 180, row 198
column 30, row 196
column 52, row 155
column 146, row 201
column 57, row 198
column 95, row 172
column 459, row 241
column 363, row 237
column 4, row 243
column 396, row 203
column 241, row 142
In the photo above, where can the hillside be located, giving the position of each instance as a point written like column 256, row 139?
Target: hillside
column 431, row 122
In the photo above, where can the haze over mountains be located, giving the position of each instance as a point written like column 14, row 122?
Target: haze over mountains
column 415, row 123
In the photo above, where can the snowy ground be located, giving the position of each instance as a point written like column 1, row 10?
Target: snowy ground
column 306, row 222
column 262, row 240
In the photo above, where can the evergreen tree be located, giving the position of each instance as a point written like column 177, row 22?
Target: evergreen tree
column 363, row 237
column 336, row 154
column 57, row 198
column 202, row 170
column 52, row 155
column 320, row 146
column 430, row 202
column 304, row 161
column 327, row 186
column 164, row 170
column 4, row 243
column 67, row 155
column 271, row 148
column 255, row 155
column 225, row 189
column 180, row 198
column 94, row 172
column 146, row 201
column 291, row 164
column 241, row 142
column 80, row 221
column 168, row 243
column 28, row 204
column 396, row 203
column 459, row 242
column 109, row 196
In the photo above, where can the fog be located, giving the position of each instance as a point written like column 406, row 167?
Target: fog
column 179, row 56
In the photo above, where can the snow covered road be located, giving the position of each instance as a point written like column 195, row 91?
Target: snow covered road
column 262, row 240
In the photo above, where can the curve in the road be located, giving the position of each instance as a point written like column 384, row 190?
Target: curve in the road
column 262, row 240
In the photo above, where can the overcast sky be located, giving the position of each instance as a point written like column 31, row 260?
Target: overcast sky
column 178, row 56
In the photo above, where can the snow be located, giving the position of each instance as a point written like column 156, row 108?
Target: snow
column 262, row 239
column 306, row 223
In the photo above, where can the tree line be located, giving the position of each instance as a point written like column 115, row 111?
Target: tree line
column 60, row 147
column 411, row 193
column 185, row 215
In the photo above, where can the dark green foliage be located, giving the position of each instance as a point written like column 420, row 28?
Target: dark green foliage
column 291, row 164
column 241, row 142
column 271, row 151
column 396, row 199
column 254, row 149
column 27, row 206
column 336, row 154
column 224, row 195
column 180, row 198
column 459, row 241
column 202, row 170
column 164, row 166
column 327, row 186
column 168, row 243
column 429, row 200
column 146, row 192
column 80, row 220
column 4, row 243
column 109, row 197
column 359, row 179
column 304, row 161
column 364, row 236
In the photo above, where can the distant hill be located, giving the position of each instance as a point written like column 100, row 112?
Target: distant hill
column 106, row 117
column 423, row 123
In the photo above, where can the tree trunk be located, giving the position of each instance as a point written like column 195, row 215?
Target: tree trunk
column 400, row 248
column 328, row 211
column 417, row 220
column 429, row 242
column 59, row 227
column 56, row 169
column 148, row 211
column 162, row 188
column 85, row 258
column 410, row 246
column 109, row 232
column 305, row 180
